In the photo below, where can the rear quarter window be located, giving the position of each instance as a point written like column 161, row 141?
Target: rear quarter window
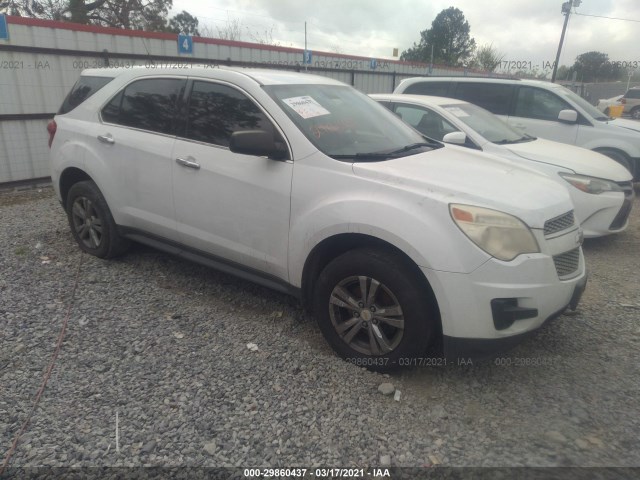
column 439, row 89
column 83, row 89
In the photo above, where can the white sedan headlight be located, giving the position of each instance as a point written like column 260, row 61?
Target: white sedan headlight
column 591, row 184
column 501, row 235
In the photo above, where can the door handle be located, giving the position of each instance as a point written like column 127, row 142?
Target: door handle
column 108, row 139
column 188, row 162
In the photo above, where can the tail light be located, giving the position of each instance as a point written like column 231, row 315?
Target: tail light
column 51, row 128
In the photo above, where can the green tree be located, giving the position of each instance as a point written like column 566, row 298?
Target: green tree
column 184, row 23
column 596, row 67
column 131, row 14
column 450, row 38
column 487, row 58
column 563, row 73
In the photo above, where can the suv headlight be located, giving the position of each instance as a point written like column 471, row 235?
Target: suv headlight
column 501, row 235
column 591, row 184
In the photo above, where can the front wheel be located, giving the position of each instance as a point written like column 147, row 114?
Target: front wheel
column 91, row 222
column 635, row 113
column 373, row 310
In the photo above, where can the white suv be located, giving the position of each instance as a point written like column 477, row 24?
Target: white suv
column 541, row 109
column 305, row 185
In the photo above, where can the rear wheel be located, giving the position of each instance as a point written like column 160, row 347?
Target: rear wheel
column 91, row 222
column 372, row 309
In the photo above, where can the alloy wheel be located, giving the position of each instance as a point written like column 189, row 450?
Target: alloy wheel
column 366, row 315
column 87, row 222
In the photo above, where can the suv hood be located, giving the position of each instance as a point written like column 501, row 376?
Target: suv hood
column 580, row 160
column 459, row 175
column 626, row 123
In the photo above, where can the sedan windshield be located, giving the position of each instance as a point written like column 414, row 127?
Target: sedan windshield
column 347, row 125
column 486, row 124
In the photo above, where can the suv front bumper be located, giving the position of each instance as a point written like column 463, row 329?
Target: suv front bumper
column 526, row 293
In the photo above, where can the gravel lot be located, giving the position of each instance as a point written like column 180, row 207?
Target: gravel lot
column 162, row 344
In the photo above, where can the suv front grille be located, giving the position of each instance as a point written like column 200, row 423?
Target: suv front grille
column 558, row 224
column 567, row 263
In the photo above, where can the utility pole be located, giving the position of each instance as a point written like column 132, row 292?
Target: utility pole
column 566, row 11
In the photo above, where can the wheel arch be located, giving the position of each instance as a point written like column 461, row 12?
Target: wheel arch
column 623, row 158
column 337, row 244
column 68, row 178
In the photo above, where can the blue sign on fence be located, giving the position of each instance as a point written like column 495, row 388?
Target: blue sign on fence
column 4, row 31
column 185, row 44
column 373, row 64
column 307, row 57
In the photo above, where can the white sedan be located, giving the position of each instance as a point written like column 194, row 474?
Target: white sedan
column 600, row 188
column 605, row 103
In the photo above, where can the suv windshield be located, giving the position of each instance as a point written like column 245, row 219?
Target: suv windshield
column 582, row 103
column 345, row 124
column 486, row 124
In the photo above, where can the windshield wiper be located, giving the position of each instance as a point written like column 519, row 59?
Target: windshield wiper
column 525, row 138
column 364, row 156
column 413, row 146
column 386, row 155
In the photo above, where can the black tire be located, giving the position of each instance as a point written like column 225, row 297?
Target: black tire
column 619, row 157
column 635, row 113
column 370, row 338
column 91, row 222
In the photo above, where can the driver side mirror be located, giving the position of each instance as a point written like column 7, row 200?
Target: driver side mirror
column 568, row 116
column 456, row 138
column 258, row 143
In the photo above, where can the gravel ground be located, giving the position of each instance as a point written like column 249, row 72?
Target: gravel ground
column 161, row 345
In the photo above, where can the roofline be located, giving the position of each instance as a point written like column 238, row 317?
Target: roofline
column 79, row 27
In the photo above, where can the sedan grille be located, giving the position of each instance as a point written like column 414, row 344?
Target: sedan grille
column 567, row 263
column 558, row 224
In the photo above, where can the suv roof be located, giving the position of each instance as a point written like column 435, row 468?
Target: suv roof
column 520, row 81
column 261, row 76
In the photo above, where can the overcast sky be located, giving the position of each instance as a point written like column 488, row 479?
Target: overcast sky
column 525, row 30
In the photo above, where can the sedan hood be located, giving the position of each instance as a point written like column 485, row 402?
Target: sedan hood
column 460, row 175
column 626, row 123
column 580, row 160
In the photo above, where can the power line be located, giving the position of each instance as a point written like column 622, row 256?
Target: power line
column 610, row 18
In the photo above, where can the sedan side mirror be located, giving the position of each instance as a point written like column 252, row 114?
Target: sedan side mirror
column 258, row 143
column 457, row 138
column 568, row 116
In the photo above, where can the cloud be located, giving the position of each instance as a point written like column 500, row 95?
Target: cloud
column 522, row 29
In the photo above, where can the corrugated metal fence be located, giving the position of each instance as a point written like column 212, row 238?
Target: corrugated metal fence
column 41, row 60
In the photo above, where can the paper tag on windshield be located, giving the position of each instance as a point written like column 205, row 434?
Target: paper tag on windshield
column 306, row 107
column 458, row 112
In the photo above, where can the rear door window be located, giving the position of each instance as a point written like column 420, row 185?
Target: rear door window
column 83, row 89
column 540, row 104
column 148, row 104
column 490, row 96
